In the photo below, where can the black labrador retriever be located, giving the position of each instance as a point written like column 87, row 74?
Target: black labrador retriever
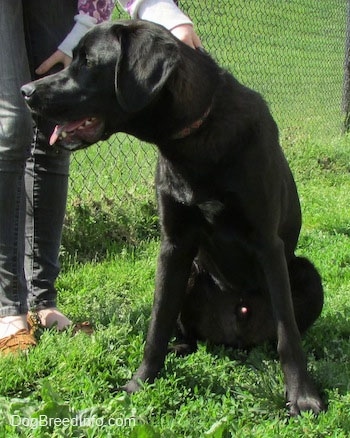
column 228, row 204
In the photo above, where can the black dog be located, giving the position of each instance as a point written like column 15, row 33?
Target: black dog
column 228, row 204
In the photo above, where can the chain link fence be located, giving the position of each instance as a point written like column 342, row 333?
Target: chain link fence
column 291, row 51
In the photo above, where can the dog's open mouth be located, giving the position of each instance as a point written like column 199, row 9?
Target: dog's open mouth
column 73, row 135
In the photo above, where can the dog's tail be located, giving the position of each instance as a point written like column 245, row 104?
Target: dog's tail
column 307, row 292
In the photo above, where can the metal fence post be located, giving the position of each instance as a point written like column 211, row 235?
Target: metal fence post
column 346, row 86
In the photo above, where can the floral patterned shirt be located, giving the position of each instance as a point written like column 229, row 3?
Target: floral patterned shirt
column 101, row 10
column 91, row 12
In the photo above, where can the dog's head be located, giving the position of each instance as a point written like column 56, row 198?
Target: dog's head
column 118, row 69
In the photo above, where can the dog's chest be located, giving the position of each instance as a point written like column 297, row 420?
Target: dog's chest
column 211, row 209
column 190, row 188
column 201, row 196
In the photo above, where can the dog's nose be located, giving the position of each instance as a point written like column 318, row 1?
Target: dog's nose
column 28, row 90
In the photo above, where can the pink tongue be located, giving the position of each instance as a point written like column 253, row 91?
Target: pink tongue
column 68, row 127
column 54, row 135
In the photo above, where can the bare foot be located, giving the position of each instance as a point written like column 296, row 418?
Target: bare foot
column 53, row 317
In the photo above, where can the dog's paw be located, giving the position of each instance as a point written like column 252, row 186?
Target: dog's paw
column 183, row 349
column 131, row 387
column 306, row 400
column 303, row 404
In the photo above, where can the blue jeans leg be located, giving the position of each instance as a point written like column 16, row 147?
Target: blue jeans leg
column 47, row 169
column 33, row 176
column 15, row 138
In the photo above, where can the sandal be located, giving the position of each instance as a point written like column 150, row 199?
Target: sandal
column 35, row 324
column 84, row 327
column 22, row 340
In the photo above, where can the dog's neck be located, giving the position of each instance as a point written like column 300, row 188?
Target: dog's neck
column 192, row 91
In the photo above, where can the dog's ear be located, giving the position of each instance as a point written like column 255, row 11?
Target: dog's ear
column 148, row 56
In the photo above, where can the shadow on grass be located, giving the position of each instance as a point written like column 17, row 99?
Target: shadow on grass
column 94, row 229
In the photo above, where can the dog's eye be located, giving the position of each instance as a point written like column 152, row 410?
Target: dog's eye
column 89, row 63
column 85, row 61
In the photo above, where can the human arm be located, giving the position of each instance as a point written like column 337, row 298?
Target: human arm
column 166, row 13
column 90, row 13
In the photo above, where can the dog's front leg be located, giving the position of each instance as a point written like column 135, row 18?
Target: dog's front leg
column 300, row 391
column 174, row 265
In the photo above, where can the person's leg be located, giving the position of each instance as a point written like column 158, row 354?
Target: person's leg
column 15, row 139
column 46, row 175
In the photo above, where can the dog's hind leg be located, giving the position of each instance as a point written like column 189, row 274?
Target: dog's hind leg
column 185, row 342
column 307, row 292
column 209, row 312
column 186, row 335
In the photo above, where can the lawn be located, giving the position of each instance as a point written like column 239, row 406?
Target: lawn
column 67, row 386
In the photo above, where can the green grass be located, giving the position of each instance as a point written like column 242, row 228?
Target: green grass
column 110, row 247
column 214, row 391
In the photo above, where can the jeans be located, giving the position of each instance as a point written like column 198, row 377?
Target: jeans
column 33, row 175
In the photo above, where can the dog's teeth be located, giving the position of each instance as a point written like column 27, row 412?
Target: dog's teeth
column 88, row 122
column 63, row 134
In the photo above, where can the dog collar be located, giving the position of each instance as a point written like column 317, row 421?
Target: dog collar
column 188, row 130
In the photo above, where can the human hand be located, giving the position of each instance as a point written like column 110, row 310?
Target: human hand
column 187, row 34
column 57, row 58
